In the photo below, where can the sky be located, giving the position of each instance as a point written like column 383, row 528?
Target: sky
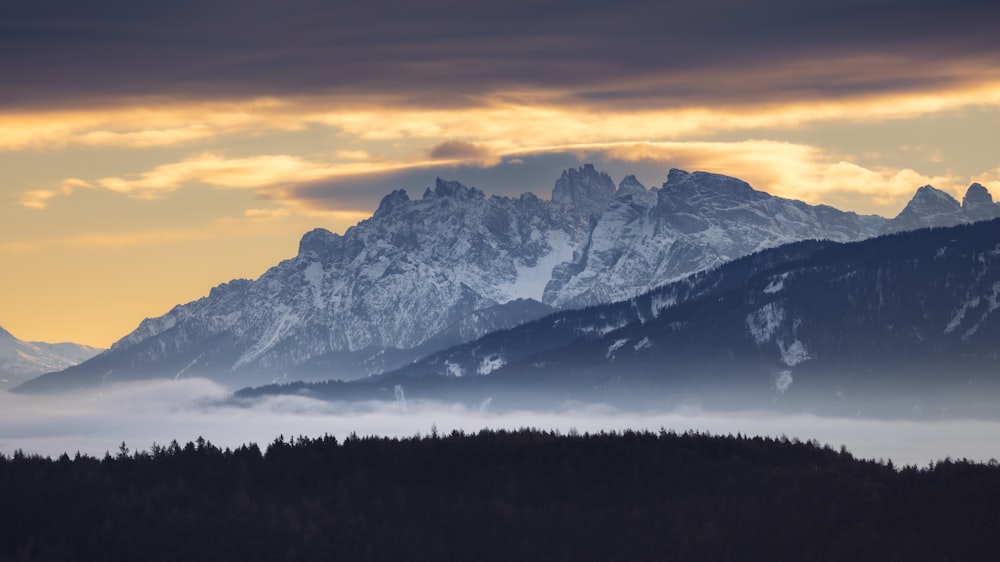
column 152, row 150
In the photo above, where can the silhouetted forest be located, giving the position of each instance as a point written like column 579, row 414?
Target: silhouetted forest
column 497, row 495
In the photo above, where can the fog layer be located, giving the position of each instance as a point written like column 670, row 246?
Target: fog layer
column 157, row 412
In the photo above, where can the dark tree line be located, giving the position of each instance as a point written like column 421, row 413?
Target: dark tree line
column 496, row 495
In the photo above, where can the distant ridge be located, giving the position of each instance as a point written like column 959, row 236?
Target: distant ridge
column 933, row 207
column 21, row 360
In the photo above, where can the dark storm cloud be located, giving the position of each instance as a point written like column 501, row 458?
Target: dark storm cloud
column 66, row 52
column 459, row 150
column 511, row 177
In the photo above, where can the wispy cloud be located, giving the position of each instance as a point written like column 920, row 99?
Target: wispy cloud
column 490, row 124
column 142, row 123
column 39, row 198
column 501, row 126
column 266, row 173
column 352, row 189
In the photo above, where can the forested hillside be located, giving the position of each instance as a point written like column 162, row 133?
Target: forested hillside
column 497, row 495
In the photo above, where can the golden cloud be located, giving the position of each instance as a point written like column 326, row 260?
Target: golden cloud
column 786, row 169
column 39, row 198
column 502, row 126
column 143, row 123
column 268, row 174
column 218, row 171
column 498, row 124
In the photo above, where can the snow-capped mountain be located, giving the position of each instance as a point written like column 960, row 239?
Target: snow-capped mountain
column 21, row 360
column 347, row 305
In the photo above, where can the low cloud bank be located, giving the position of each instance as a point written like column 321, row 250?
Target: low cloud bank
column 143, row 413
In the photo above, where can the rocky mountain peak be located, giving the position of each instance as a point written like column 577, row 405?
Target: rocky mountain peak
column 584, row 189
column 976, row 194
column 630, row 184
column 394, row 200
column 928, row 207
column 316, row 242
column 978, row 204
column 453, row 189
column 704, row 183
column 931, row 195
column 675, row 176
column 684, row 191
column 631, row 190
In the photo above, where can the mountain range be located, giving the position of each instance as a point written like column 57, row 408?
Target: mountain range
column 422, row 275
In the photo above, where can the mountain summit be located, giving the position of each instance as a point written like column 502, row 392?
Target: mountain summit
column 585, row 191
